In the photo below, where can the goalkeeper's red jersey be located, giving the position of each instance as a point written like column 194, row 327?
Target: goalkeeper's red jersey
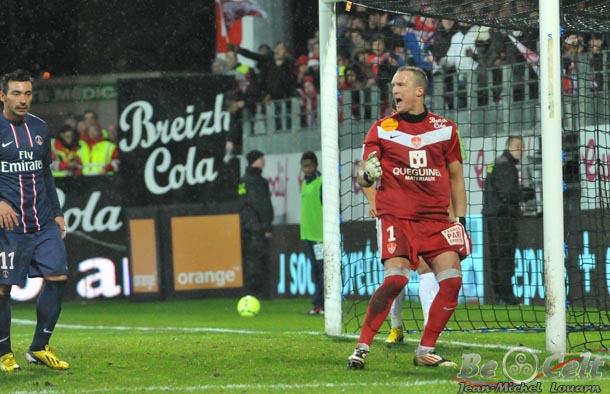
column 414, row 152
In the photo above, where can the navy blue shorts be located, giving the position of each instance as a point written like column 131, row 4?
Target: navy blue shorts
column 34, row 255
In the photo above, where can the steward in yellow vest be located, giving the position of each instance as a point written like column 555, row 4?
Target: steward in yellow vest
column 98, row 155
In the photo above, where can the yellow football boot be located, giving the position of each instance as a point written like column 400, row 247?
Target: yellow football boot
column 8, row 363
column 46, row 357
column 395, row 335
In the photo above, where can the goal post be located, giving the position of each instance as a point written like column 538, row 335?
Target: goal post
column 552, row 188
column 563, row 281
column 330, row 169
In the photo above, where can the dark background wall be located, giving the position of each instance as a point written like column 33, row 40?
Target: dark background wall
column 38, row 34
column 70, row 37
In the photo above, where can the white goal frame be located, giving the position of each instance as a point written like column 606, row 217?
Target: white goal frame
column 552, row 183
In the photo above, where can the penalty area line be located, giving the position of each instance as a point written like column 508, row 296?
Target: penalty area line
column 152, row 329
column 241, row 331
column 266, row 387
column 262, row 387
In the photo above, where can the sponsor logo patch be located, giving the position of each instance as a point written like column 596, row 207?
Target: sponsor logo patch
column 418, row 159
column 389, row 124
column 454, row 235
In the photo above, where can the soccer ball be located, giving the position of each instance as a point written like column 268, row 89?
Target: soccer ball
column 248, row 306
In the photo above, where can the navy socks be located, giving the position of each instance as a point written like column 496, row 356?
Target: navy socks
column 5, row 325
column 48, row 309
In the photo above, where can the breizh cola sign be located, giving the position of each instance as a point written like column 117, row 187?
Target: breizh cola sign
column 173, row 133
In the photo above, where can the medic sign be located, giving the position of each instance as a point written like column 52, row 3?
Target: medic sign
column 173, row 133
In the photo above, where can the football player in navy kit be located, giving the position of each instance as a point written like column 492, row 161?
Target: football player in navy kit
column 32, row 225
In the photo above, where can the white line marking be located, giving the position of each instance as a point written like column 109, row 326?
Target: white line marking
column 237, row 331
column 202, row 388
column 258, row 387
column 263, row 388
column 177, row 329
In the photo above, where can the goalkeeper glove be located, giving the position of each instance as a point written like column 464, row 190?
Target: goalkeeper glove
column 372, row 169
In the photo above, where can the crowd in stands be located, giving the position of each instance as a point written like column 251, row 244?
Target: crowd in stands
column 83, row 147
column 371, row 44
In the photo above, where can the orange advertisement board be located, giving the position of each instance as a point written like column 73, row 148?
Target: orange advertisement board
column 206, row 252
column 145, row 278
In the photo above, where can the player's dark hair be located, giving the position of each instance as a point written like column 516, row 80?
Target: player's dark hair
column 309, row 155
column 15, row 76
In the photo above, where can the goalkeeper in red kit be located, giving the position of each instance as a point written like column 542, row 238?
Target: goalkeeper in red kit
column 416, row 158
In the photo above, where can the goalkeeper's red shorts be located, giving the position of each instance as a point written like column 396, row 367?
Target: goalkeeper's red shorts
column 428, row 239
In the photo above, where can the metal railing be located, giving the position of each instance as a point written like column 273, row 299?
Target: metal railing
column 505, row 97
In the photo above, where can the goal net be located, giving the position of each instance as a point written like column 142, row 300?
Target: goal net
column 481, row 58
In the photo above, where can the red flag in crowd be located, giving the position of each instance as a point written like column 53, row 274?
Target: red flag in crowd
column 529, row 55
column 228, row 23
column 233, row 10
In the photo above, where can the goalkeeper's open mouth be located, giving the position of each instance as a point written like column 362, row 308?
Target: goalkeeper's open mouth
column 397, row 102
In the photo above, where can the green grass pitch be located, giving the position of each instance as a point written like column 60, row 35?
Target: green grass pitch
column 204, row 346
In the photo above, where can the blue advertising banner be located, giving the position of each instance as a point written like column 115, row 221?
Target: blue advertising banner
column 97, row 245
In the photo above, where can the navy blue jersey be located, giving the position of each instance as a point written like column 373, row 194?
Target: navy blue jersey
column 26, row 181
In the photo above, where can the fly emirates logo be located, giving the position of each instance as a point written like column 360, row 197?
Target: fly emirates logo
column 418, row 170
column 26, row 163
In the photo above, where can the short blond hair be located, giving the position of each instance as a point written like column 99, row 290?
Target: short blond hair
column 421, row 78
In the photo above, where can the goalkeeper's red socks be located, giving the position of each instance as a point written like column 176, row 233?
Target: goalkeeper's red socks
column 441, row 310
column 379, row 306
